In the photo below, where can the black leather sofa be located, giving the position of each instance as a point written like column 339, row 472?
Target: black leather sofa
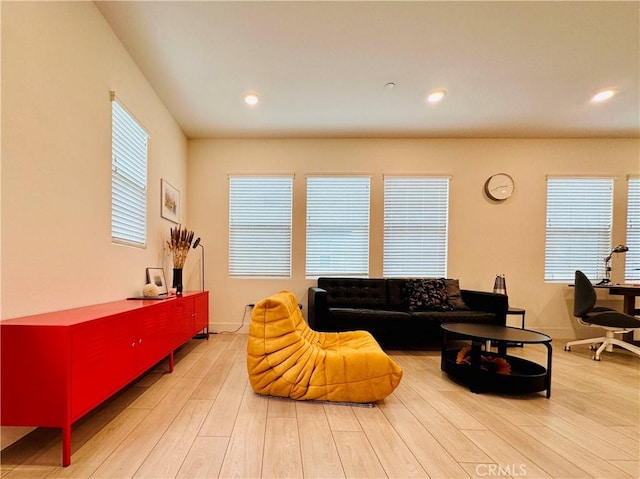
column 386, row 308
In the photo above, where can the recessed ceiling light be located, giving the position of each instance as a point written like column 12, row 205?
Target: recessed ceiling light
column 436, row 96
column 251, row 99
column 390, row 85
column 603, row 95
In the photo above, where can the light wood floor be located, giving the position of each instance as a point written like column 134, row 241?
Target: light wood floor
column 204, row 421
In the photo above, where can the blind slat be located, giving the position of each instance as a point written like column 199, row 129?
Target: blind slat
column 337, row 226
column 260, row 231
column 632, row 260
column 416, row 211
column 578, row 230
column 128, row 179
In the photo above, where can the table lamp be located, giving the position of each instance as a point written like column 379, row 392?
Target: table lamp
column 607, row 262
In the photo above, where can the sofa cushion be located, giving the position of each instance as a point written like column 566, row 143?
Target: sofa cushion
column 427, row 295
column 454, row 296
column 397, row 294
column 355, row 292
column 368, row 314
column 454, row 316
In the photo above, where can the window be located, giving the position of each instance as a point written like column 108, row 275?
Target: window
column 337, row 226
column 579, row 216
column 632, row 260
column 415, row 226
column 129, row 144
column 260, row 225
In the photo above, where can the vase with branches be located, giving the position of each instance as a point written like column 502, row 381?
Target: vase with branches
column 179, row 244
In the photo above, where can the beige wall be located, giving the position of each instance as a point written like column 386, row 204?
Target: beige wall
column 59, row 62
column 485, row 238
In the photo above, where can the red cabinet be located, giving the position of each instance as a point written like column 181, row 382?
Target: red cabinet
column 201, row 312
column 183, row 321
column 56, row 367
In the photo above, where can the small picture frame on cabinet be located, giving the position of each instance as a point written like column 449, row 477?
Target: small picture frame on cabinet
column 156, row 276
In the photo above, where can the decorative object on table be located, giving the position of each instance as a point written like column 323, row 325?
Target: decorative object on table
column 169, row 202
column 156, row 276
column 490, row 362
column 499, row 187
column 179, row 244
column 607, row 262
column 150, row 290
column 500, row 284
column 197, row 243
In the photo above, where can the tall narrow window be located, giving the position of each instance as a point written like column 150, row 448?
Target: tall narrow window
column 632, row 260
column 129, row 143
column 337, row 226
column 578, row 236
column 260, row 211
column 415, row 226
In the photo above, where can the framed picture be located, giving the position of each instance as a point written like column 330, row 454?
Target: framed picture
column 169, row 202
column 156, row 276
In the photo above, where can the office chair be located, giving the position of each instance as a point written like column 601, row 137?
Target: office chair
column 612, row 321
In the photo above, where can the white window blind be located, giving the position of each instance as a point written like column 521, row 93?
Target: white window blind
column 260, row 211
column 128, row 178
column 578, row 235
column 337, row 226
column 416, row 211
column 632, row 260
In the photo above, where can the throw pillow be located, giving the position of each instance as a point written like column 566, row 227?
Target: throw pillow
column 427, row 295
column 453, row 292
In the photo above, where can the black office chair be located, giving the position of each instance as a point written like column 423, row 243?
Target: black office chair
column 612, row 321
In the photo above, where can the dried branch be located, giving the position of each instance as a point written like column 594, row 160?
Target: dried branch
column 179, row 245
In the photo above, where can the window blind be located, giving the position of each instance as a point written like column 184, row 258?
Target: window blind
column 129, row 144
column 416, row 211
column 337, row 226
column 632, row 260
column 578, row 230
column 260, row 210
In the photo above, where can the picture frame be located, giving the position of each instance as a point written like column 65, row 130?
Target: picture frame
column 156, row 276
column 169, row 202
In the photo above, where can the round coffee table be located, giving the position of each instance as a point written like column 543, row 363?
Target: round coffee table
column 524, row 377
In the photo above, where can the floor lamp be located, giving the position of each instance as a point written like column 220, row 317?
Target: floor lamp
column 197, row 243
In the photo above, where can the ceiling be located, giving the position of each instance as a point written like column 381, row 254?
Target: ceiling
column 510, row 69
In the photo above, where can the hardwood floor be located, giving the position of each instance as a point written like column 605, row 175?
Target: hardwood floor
column 204, row 421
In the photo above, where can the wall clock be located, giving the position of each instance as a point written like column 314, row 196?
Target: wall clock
column 499, row 187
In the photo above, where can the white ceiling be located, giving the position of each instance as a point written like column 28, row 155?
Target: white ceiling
column 511, row 69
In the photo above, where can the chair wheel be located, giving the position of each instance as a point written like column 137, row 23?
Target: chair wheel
column 596, row 358
column 567, row 348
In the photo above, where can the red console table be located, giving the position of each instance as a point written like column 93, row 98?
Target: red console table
column 56, row 367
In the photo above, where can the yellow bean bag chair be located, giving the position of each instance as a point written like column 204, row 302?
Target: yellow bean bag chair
column 286, row 358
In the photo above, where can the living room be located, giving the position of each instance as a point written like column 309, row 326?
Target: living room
column 60, row 61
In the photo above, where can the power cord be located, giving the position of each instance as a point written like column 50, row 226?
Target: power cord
column 244, row 315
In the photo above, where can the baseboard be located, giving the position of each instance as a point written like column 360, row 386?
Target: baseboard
column 555, row 332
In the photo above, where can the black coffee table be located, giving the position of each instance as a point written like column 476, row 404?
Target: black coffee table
column 525, row 376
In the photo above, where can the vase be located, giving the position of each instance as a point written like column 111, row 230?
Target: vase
column 177, row 280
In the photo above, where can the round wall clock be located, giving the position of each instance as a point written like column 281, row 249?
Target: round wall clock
column 499, row 187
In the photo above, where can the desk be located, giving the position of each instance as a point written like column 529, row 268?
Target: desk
column 630, row 293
